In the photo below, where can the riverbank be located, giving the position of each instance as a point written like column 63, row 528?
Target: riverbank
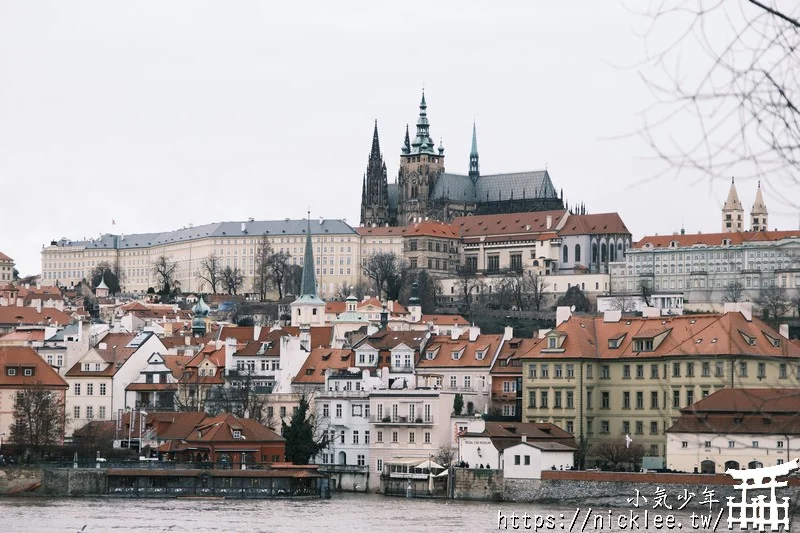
column 20, row 481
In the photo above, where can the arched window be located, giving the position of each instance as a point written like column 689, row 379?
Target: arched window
column 566, row 254
column 611, row 252
column 708, row 467
column 594, row 252
column 577, row 253
column 731, row 465
column 603, row 253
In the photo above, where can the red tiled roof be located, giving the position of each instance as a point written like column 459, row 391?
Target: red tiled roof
column 431, row 228
column 20, row 358
column 444, row 320
column 531, row 223
column 30, row 316
column 23, row 335
column 321, row 359
column 692, row 335
column 4, row 257
column 443, row 346
column 595, row 224
column 715, row 239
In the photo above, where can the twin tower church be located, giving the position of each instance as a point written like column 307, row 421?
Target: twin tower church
column 424, row 189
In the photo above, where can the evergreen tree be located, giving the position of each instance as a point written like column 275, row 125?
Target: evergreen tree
column 301, row 443
column 458, row 404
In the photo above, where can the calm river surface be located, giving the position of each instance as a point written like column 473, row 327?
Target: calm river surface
column 342, row 513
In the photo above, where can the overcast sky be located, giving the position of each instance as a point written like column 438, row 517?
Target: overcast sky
column 160, row 114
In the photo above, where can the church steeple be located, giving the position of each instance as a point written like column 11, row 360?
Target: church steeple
column 308, row 309
column 732, row 212
column 422, row 143
column 407, row 143
column 759, row 215
column 474, row 170
column 308, row 285
column 375, row 196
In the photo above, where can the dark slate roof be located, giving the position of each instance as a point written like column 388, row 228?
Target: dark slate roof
column 61, row 334
column 392, row 190
column 218, row 229
column 459, row 188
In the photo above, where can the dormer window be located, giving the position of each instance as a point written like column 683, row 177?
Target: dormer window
column 643, row 345
column 615, row 343
column 456, row 354
column 480, row 355
column 28, row 372
column 86, row 367
column 11, row 371
column 430, row 355
column 552, row 343
column 237, row 434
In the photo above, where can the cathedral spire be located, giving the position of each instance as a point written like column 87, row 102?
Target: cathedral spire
column 308, row 285
column 375, row 153
column 407, row 142
column 375, row 196
column 732, row 212
column 423, row 143
column 759, row 214
column 474, row 170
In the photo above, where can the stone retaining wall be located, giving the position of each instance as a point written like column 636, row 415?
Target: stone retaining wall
column 75, row 482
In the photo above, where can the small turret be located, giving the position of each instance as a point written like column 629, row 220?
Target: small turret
column 759, row 216
column 732, row 212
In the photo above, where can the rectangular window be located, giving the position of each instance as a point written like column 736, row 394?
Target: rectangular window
column 626, row 400
column 604, row 426
column 719, row 369
column 516, row 459
column 570, row 371
column 532, row 398
column 326, row 410
column 557, row 399
column 394, row 436
column 360, row 460
column 545, row 371
column 379, row 436
column 676, row 399
column 588, row 371
column 782, row 371
column 527, row 459
column 690, row 370
column 605, row 401
column 639, row 400
column 654, row 400
column 89, row 412
column 589, row 399
column 570, row 400
column 557, row 370
column 654, row 428
column 366, row 437
column 676, row 370
column 762, row 370
column 626, row 371
column 654, row 371
column 412, row 437
column 743, row 369
column 639, row 371
column 605, row 372
column 76, row 389
column 90, row 389
column 76, row 411
column 543, row 400
column 355, row 437
column 706, row 369
column 102, row 412
column 690, row 397
column 379, row 465
column 427, row 437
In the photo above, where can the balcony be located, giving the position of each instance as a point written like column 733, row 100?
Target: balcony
column 402, row 420
column 343, row 469
column 504, row 396
column 344, row 394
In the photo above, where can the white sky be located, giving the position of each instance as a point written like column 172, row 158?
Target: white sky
column 160, row 114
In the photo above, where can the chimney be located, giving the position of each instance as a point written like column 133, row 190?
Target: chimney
column 563, row 314
column 321, row 220
column 474, row 331
column 549, row 221
column 508, row 333
column 187, row 340
column 218, row 344
column 256, row 332
column 524, row 437
column 612, row 316
column 244, row 227
column 390, row 304
column 784, row 330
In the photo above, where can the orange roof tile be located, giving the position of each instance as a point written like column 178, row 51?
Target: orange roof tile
column 21, row 358
column 715, row 239
column 695, row 335
column 443, row 346
column 30, row 316
column 531, row 223
column 595, row 224
column 321, row 359
column 4, row 257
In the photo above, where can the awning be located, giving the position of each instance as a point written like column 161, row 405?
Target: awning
column 430, row 465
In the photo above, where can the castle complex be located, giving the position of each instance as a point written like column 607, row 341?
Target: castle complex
column 423, row 188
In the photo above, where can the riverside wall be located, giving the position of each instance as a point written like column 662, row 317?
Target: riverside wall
column 607, row 489
column 75, row 482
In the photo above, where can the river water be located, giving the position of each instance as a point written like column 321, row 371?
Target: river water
column 342, row 513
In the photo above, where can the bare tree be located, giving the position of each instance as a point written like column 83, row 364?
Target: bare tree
column 292, row 282
column 262, row 278
column 624, row 303
column 211, row 271
column 164, row 270
column 277, row 270
column 109, row 273
column 796, row 301
column 646, row 292
column 381, row 267
column 243, row 394
column 428, row 288
column 612, row 451
column 445, row 455
column 39, row 418
column 232, row 279
column 538, row 285
column 744, row 98
column 734, row 291
column 343, row 290
column 773, row 302
column 467, row 283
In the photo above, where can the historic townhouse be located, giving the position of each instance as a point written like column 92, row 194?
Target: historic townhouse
column 98, row 381
column 22, row 368
column 6, row 269
column 460, row 363
column 736, row 428
column 425, row 244
column 605, row 377
column 506, row 375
